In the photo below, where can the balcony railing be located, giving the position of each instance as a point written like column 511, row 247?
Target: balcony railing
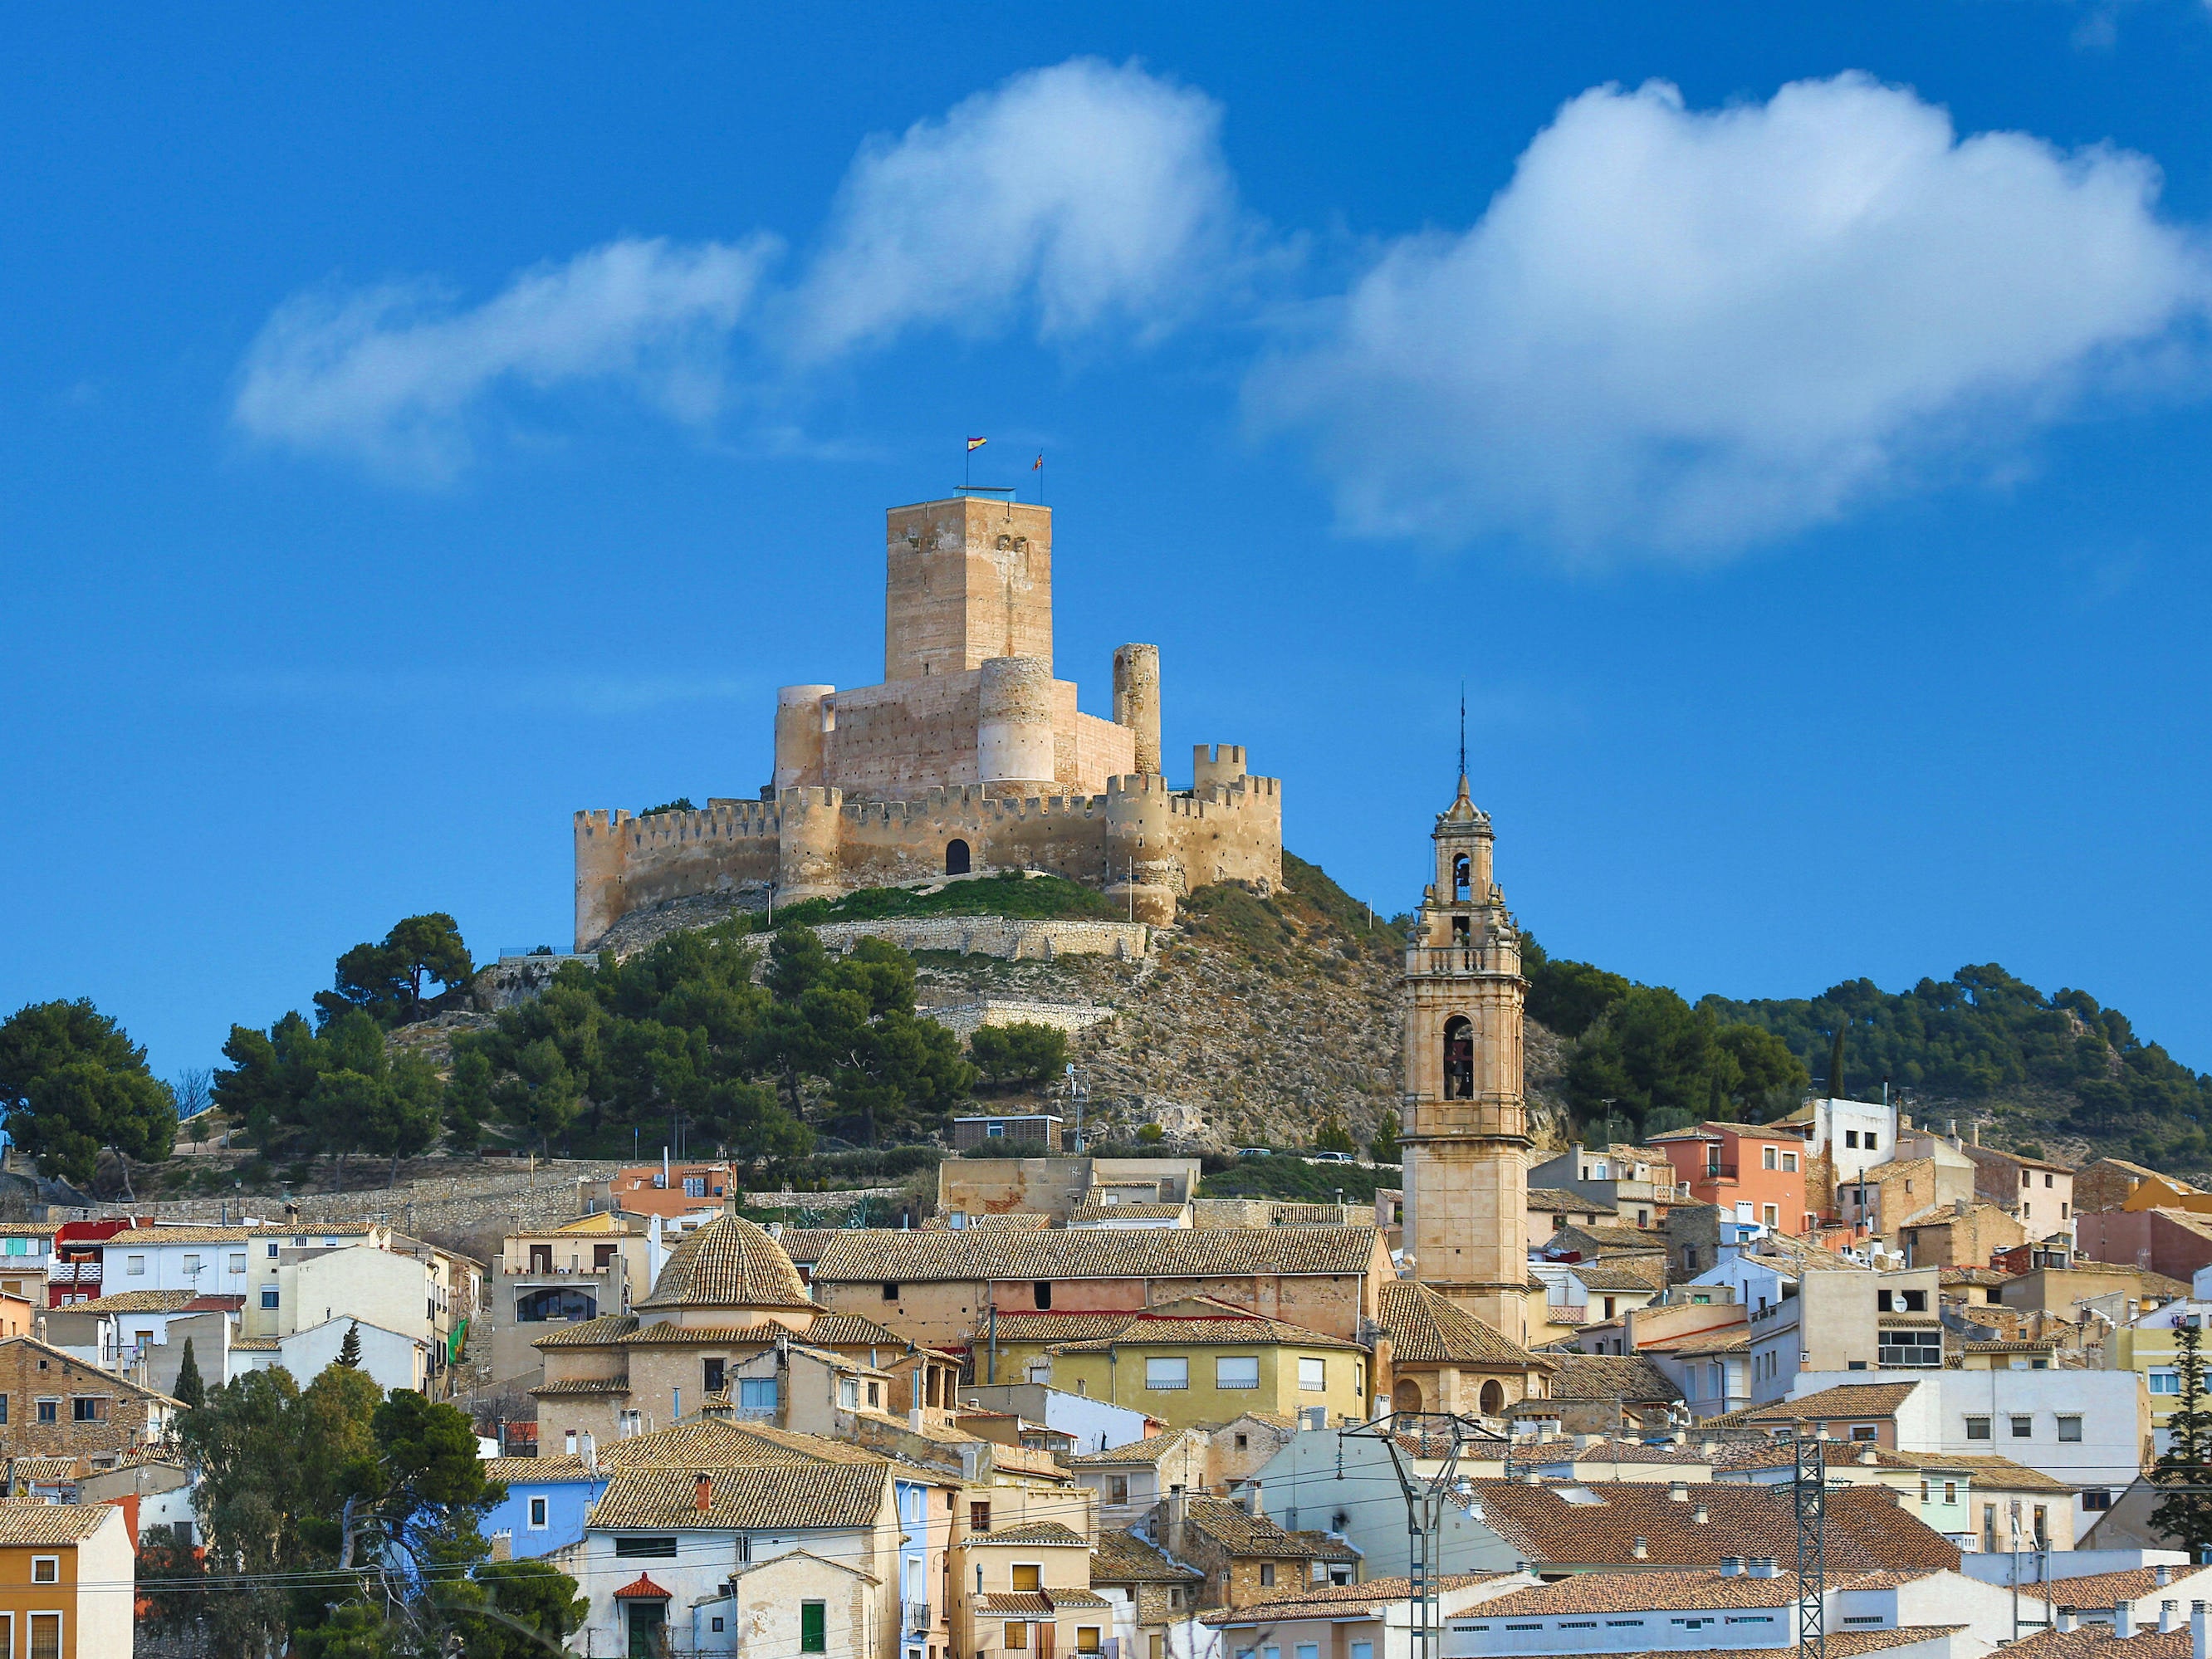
column 1560, row 1312
column 1456, row 959
column 73, row 1273
column 913, row 1615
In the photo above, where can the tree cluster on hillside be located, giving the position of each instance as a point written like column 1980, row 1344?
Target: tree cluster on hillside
column 303, row 1093
column 349, row 1523
column 1023, row 1052
column 390, row 981
column 73, row 1086
column 1982, row 1034
column 680, row 1031
column 1642, row 1060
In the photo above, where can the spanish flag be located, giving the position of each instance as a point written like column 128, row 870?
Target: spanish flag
column 977, row 443
column 1037, row 466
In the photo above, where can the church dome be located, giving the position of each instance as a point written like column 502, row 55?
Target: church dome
column 730, row 1262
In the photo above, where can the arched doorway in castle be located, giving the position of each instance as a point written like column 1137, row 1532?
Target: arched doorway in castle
column 956, row 858
column 1459, row 1058
column 1493, row 1398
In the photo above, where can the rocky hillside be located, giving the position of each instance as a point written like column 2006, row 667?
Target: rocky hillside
column 1256, row 1018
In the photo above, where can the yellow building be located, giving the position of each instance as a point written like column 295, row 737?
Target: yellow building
column 2147, row 1347
column 67, row 1580
column 1198, row 1362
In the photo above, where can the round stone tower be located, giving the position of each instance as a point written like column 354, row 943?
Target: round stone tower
column 1141, row 871
column 809, row 824
column 798, row 735
column 1013, row 722
column 1136, row 700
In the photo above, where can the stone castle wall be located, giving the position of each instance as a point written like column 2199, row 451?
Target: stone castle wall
column 1013, row 939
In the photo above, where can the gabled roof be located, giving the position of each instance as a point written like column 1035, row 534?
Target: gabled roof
column 730, row 1262
column 1147, row 1451
column 1337, row 1600
column 35, row 1523
column 1240, row 1533
column 1053, row 1327
column 92, row 1373
column 1658, row 1592
column 716, row 1443
column 915, row 1256
column 1999, row 1474
column 605, row 1331
column 132, row 1302
column 1428, row 1327
column 1845, row 1400
column 1029, row 1532
column 1557, row 1199
column 1599, row 1238
column 1595, row 1523
column 557, row 1469
column 2105, row 1589
column 1122, row 1557
column 853, row 1330
column 2097, row 1641
column 776, row 1495
column 806, row 1243
column 1625, row 1377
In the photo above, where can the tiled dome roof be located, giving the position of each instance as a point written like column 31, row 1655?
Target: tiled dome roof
column 730, row 1262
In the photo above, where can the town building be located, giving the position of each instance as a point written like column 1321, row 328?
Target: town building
column 68, row 1577
column 1194, row 1362
column 1131, row 1479
column 600, row 1263
column 2107, row 1183
column 1633, row 1183
column 1965, row 1235
column 1551, row 1208
column 1244, row 1554
column 1443, row 1359
column 1369, row 1620
column 2036, row 1190
column 1755, row 1173
column 2173, row 1242
column 53, row 1404
column 969, row 1189
column 1146, row 1590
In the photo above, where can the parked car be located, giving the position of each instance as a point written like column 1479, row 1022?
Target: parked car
column 1330, row 1157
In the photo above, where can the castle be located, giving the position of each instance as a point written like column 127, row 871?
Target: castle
column 969, row 757
column 1464, row 1117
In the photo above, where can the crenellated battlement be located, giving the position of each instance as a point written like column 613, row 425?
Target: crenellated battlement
column 970, row 756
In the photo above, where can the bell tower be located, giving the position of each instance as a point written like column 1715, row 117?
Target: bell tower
column 1464, row 1121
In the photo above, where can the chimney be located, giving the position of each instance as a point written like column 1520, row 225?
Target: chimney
column 591, row 1445
column 2164, row 1574
column 1178, row 1514
column 1637, row 1547
column 2066, row 1619
column 1762, row 1566
column 1976, row 1131
column 2198, row 1640
column 1731, row 1566
column 2169, row 1617
column 2124, row 1617
column 1701, row 1515
column 914, row 1418
column 1530, row 1478
column 569, row 1443
column 1678, row 1491
column 1255, row 1501
column 1869, row 1456
column 705, row 1493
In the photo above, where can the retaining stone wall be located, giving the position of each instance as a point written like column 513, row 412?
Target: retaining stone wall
column 1015, row 939
column 962, row 1018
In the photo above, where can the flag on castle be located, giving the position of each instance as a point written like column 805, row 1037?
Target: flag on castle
column 977, row 443
column 1037, row 466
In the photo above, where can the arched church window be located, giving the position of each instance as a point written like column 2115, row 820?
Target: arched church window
column 956, row 858
column 1462, row 880
column 1459, row 1058
column 1493, row 1398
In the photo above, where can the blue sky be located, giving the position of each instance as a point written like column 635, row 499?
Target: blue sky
column 1790, row 427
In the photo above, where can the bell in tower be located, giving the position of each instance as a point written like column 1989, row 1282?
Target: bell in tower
column 1463, row 1118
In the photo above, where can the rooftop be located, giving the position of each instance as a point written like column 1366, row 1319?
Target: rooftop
column 916, row 1256
column 1122, row 1557
column 1338, row 1600
column 34, row 1522
column 795, row 1496
column 730, row 1262
column 1428, row 1327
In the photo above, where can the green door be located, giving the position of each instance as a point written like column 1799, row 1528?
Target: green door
column 646, row 1622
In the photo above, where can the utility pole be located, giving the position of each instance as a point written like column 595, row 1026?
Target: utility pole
column 1423, row 1436
column 1808, row 1494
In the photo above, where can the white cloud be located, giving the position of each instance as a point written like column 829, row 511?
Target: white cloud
column 1684, row 330
column 1083, row 191
column 388, row 374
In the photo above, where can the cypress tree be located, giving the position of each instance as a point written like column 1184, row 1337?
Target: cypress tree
column 349, row 1350
column 1836, row 1067
column 2184, row 1514
column 189, row 1389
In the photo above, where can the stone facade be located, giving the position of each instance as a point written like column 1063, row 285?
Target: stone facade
column 969, row 754
column 1465, row 1120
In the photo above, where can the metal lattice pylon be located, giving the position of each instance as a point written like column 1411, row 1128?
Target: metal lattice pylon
column 1423, row 1436
column 1809, row 1499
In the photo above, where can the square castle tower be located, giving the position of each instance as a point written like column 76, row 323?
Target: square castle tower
column 969, row 757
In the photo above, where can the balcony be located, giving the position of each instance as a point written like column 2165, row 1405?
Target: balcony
column 73, row 1273
column 1458, row 959
column 914, row 1616
column 1561, row 1314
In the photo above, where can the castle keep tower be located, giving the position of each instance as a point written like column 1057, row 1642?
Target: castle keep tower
column 970, row 756
column 1464, row 1122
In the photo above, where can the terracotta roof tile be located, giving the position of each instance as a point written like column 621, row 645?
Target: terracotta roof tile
column 1055, row 1328
column 853, row 1330
column 730, row 1262
column 1029, row 1532
column 1428, row 1327
column 1845, row 1400
column 776, row 1495
column 1866, row 1528
column 580, row 1388
column 1556, row 1198
column 131, row 1302
column 1609, row 1376
column 521, row 1471
column 2102, row 1589
column 2098, row 1642
column 712, row 1442
column 916, row 1256
column 1122, row 1557
column 1014, row 1604
column 605, row 1331
column 1338, row 1599
column 35, row 1523
column 1150, row 1450
column 1838, row 1644
column 1248, row 1330
column 1660, row 1592
column 1242, row 1534
column 806, row 1243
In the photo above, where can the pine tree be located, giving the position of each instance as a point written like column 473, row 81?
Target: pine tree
column 349, row 1350
column 1383, row 1149
column 2184, row 1514
column 189, row 1389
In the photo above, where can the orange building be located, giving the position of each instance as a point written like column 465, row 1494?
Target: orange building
column 665, row 1190
column 1752, row 1173
column 67, row 1575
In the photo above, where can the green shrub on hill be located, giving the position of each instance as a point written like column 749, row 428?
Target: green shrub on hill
column 1286, row 1177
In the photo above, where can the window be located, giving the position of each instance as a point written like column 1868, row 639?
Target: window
column 757, row 1393
column 1028, row 1575
column 654, row 1548
column 813, row 1627
column 1789, row 1162
column 1459, row 1058
column 1086, row 1639
column 1313, row 1377
column 1924, row 1349
column 710, row 1376
column 272, row 1252
column 2046, row 1180
column 1924, row 1488
column 875, row 1395
column 269, row 1296
column 46, row 1570
column 2042, row 1529
column 1117, row 1488
column 1166, row 1373
column 554, row 1302
column 2022, row 1427
column 849, row 1393
column 978, row 1517
column 1770, row 1215
column 1018, row 1634
column 191, row 1264
column 890, row 1292
column 46, row 1636
column 1236, row 1372
column 1363, row 1650
column 1950, row 1492
column 89, row 1408
column 1267, row 1575
column 238, row 1262
column 2096, row 1497
column 1865, row 1431
column 135, row 1265
column 1308, row 1651
column 1851, row 1137
column 2069, row 1428
column 1978, row 1428
column 695, row 1186
column 1042, row 1290
column 537, row 1514
column 1768, row 1156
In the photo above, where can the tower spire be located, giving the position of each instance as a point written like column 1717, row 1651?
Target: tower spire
column 1462, row 737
